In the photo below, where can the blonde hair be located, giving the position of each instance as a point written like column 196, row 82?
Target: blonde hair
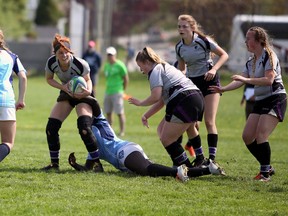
column 148, row 54
column 61, row 42
column 2, row 41
column 263, row 38
column 193, row 24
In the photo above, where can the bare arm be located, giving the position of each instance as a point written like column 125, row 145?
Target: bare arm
column 155, row 96
column 268, row 79
column 231, row 86
column 182, row 66
column 20, row 104
column 154, row 109
column 223, row 57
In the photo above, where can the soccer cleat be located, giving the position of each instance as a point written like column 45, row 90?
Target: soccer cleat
column 182, row 173
column 191, row 151
column 262, row 178
column 197, row 162
column 52, row 166
column 270, row 172
column 215, row 169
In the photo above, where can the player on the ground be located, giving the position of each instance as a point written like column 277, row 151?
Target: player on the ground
column 129, row 156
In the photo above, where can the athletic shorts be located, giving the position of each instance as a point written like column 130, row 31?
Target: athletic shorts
column 126, row 150
column 186, row 107
column 7, row 114
column 74, row 101
column 114, row 103
column 203, row 85
column 274, row 105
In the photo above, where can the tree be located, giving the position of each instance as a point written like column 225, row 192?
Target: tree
column 47, row 13
column 13, row 19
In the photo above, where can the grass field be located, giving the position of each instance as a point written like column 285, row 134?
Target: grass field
column 25, row 190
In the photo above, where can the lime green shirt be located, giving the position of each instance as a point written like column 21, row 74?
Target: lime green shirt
column 114, row 77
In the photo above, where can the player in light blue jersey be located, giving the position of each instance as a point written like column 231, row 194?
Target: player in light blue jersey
column 9, row 62
column 129, row 156
column 264, row 72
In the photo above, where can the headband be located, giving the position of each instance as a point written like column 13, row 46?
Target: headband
column 63, row 44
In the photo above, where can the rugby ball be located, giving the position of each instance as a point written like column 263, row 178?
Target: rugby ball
column 76, row 84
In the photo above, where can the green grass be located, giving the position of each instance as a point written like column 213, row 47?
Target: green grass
column 24, row 190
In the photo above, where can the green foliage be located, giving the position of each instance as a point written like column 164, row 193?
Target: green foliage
column 47, row 13
column 25, row 190
column 13, row 19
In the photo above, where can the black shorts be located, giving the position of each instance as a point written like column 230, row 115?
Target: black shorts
column 274, row 105
column 186, row 107
column 203, row 85
column 63, row 96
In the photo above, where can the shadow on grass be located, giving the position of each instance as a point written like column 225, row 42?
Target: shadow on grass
column 65, row 171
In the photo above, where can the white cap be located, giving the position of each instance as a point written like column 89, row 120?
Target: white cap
column 111, row 51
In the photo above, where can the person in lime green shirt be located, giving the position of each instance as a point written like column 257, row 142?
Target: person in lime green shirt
column 117, row 80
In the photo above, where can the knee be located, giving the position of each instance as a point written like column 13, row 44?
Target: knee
column 84, row 124
column 247, row 139
column 53, row 126
column 52, row 129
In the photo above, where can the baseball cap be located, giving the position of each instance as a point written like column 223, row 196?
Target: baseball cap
column 111, row 51
column 91, row 44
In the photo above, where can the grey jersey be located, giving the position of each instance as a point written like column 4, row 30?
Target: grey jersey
column 78, row 67
column 196, row 55
column 261, row 66
column 171, row 80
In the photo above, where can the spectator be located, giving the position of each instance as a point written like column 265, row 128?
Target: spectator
column 94, row 60
column 117, row 80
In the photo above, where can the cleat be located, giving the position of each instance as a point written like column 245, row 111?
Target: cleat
column 262, row 178
column 215, row 169
column 76, row 166
column 270, row 172
column 201, row 163
column 90, row 165
column 97, row 167
column 182, row 173
column 191, row 151
column 52, row 166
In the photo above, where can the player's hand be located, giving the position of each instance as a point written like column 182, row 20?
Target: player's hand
column 82, row 94
column 145, row 121
column 216, row 89
column 67, row 90
column 239, row 78
column 210, row 75
column 19, row 105
column 134, row 101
